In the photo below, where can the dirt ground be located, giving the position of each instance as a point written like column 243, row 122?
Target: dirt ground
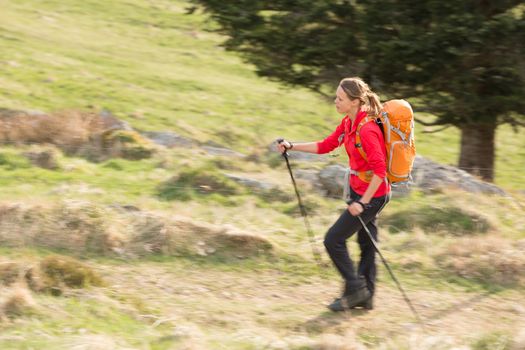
column 274, row 310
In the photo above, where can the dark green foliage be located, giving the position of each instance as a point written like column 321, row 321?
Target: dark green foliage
column 299, row 42
column 462, row 60
column 397, row 45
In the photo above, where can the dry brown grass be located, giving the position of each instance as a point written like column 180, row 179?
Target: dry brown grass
column 10, row 273
column 67, row 129
column 183, row 236
column 83, row 227
column 76, row 226
column 15, row 302
column 348, row 341
column 83, row 133
column 488, row 259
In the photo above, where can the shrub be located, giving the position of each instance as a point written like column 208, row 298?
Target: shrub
column 80, row 228
column 77, row 227
column 126, row 144
column 18, row 302
column 197, row 182
column 56, row 272
column 9, row 272
column 158, row 235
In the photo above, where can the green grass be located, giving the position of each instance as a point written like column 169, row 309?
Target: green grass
column 80, row 322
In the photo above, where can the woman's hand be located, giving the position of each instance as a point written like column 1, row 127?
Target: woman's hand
column 283, row 145
column 355, row 209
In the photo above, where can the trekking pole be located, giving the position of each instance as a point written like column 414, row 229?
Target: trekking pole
column 391, row 273
column 315, row 251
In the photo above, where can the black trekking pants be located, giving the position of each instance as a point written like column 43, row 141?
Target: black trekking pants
column 344, row 228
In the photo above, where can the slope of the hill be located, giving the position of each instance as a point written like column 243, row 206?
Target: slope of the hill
column 160, row 69
column 244, row 278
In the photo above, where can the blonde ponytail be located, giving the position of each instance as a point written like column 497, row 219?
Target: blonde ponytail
column 356, row 88
column 374, row 104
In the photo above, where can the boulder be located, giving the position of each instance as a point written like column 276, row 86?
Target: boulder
column 427, row 175
column 332, row 179
column 430, row 176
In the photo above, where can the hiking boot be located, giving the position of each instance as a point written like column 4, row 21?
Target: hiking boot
column 351, row 300
column 367, row 305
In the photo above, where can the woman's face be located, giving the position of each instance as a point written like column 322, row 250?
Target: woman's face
column 343, row 104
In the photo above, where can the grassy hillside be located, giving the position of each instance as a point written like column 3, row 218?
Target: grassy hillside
column 158, row 68
column 185, row 258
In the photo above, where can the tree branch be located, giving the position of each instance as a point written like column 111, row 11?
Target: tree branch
column 437, row 130
column 514, row 123
column 427, row 123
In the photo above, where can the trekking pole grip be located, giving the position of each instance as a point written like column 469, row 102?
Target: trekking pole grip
column 285, row 153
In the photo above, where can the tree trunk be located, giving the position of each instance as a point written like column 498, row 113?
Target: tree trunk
column 477, row 149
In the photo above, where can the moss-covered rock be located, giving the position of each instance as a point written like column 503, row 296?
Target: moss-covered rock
column 126, row 144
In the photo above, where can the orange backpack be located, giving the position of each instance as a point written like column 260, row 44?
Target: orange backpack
column 397, row 122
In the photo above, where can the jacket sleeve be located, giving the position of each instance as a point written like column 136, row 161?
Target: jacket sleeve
column 374, row 147
column 332, row 141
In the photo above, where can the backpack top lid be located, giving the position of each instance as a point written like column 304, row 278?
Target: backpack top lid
column 401, row 109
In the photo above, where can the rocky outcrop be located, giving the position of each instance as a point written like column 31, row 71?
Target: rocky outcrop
column 332, row 179
column 428, row 176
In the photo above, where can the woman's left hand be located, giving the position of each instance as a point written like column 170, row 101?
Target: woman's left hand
column 355, row 209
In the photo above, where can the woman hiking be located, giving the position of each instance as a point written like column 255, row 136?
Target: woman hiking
column 369, row 189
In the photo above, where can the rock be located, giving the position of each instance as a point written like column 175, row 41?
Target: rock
column 332, row 178
column 219, row 151
column 431, row 176
column 251, row 183
column 307, row 157
column 110, row 122
column 402, row 190
column 300, row 156
column 169, row 139
column 427, row 175
column 46, row 159
column 311, row 176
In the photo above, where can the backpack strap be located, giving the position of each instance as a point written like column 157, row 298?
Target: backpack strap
column 365, row 176
column 358, row 143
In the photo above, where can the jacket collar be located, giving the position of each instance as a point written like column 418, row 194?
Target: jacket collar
column 360, row 116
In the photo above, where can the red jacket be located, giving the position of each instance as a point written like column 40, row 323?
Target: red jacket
column 373, row 144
